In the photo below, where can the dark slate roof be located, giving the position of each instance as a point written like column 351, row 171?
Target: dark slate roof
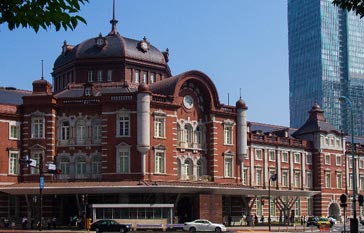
column 116, row 47
column 266, row 128
column 315, row 123
column 77, row 90
column 9, row 95
column 166, row 86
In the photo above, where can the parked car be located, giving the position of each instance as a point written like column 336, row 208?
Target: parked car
column 312, row 221
column 323, row 221
column 109, row 225
column 203, row 225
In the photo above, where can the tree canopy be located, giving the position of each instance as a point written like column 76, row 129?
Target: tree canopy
column 38, row 14
column 356, row 6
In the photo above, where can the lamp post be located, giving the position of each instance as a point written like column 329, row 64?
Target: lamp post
column 354, row 220
column 273, row 178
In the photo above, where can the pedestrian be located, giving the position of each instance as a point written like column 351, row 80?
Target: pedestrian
column 230, row 219
column 262, row 219
column 256, row 220
column 54, row 220
column 24, row 222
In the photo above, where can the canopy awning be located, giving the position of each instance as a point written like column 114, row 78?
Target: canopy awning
column 79, row 187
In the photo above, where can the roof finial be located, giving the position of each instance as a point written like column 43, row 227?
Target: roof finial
column 42, row 70
column 113, row 21
column 240, row 92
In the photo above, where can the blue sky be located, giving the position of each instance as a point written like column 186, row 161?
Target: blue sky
column 239, row 44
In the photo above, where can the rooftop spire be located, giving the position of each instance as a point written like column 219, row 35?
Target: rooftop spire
column 113, row 21
column 42, row 71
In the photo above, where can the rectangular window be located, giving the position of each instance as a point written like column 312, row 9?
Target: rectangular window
column 228, row 135
column 258, row 177
column 159, row 162
column 14, row 131
column 361, row 183
column 272, row 155
column 309, row 179
column 228, row 166
column 297, row 158
column 328, row 180
column 96, row 133
column 245, row 176
column 361, row 163
column 13, row 163
column 65, row 131
column 298, row 208
column 285, row 157
column 339, row 180
column 258, row 154
column 90, row 76
column 124, row 125
column 327, row 159
column 109, row 75
column 36, row 156
column 37, row 127
column 144, row 77
column 159, row 127
column 152, row 78
column 136, row 76
column 259, row 207
column 297, row 179
column 309, row 158
column 338, row 160
column 99, row 75
column 123, row 159
column 285, row 178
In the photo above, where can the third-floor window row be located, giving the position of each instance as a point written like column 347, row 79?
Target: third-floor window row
column 100, row 76
column 284, row 156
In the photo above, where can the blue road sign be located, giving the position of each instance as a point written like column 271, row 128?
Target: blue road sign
column 41, row 182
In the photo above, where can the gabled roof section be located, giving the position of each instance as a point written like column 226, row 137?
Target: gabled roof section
column 315, row 123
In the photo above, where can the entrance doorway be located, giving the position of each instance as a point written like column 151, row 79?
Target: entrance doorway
column 334, row 211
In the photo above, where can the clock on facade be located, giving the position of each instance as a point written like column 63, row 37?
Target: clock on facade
column 188, row 101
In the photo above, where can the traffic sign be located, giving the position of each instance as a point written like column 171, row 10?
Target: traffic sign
column 41, row 182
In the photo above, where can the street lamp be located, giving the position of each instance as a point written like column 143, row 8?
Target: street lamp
column 354, row 220
column 273, row 178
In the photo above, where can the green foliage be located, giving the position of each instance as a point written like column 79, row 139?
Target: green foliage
column 41, row 13
column 356, row 6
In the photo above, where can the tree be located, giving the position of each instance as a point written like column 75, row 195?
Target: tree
column 41, row 13
column 356, row 6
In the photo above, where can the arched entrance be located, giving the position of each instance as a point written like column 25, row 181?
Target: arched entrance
column 334, row 211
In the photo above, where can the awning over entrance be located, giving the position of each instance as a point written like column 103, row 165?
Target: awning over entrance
column 146, row 187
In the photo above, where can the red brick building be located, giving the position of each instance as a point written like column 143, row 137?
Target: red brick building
column 131, row 137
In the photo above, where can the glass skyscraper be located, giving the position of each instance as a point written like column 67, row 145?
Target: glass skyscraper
column 326, row 61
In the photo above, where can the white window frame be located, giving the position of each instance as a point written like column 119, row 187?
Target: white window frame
column 285, row 178
column 228, row 134
column 245, row 176
column 109, row 75
column 96, row 165
column 228, row 166
column 81, row 132
column 13, row 163
column 123, row 159
column 309, row 158
column 297, row 157
column 339, row 180
column 65, row 131
column 36, row 156
column 309, row 179
column 259, row 176
column 145, row 77
column 80, row 167
column 152, row 78
column 37, row 127
column 338, row 160
column 328, row 159
column 297, row 179
column 285, row 157
column 14, row 130
column 327, row 179
column 272, row 155
column 136, row 76
column 159, row 127
column 258, row 154
column 64, row 164
column 123, row 125
column 160, row 162
column 90, row 76
column 99, row 76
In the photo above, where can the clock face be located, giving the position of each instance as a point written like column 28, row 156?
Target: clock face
column 144, row 46
column 188, row 101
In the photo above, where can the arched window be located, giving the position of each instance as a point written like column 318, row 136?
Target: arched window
column 65, row 131
column 188, row 135
column 96, row 165
column 64, row 165
column 80, row 165
column 189, row 168
column 80, row 131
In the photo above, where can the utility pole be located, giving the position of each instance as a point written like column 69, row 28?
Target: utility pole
column 41, row 186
